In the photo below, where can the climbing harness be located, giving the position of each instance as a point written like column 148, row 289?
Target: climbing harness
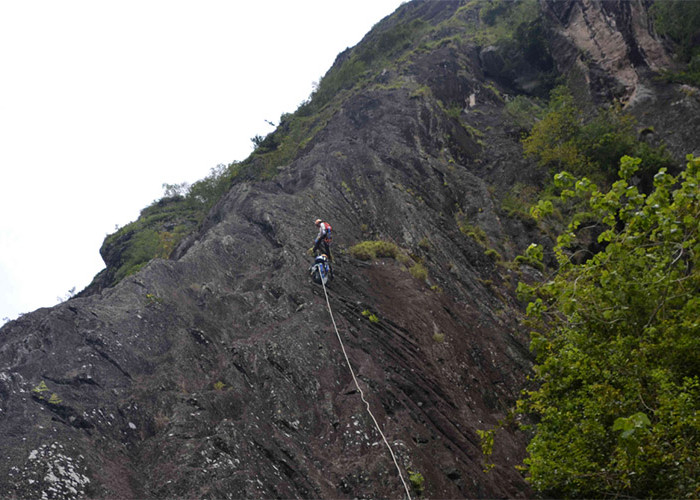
column 362, row 394
column 328, row 232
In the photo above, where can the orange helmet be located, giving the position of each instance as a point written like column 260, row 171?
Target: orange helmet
column 317, row 221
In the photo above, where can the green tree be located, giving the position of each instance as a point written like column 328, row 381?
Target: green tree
column 616, row 339
column 679, row 20
column 552, row 140
column 565, row 139
column 204, row 193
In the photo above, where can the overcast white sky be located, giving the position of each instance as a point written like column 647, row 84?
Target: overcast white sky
column 101, row 102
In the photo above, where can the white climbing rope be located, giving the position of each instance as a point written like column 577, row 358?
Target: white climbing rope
column 362, row 394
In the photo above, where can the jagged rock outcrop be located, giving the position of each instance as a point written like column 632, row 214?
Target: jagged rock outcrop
column 608, row 50
column 609, row 44
column 217, row 372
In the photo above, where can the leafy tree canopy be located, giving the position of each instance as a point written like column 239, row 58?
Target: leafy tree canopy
column 616, row 339
column 680, row 21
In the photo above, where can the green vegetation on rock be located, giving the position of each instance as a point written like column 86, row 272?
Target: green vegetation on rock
column 524, row 111
column 154, row 234
column 566, row 140
column 679, row 20
column 377, row 249
column 417, row 482
column 490, row 22
column 472, row 230
column 162, row 225
column 373, row 318
column 371, row 250
column 419, row 271
column 518, row 200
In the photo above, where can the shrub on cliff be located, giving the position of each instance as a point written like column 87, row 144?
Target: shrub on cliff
column 370, row 250
column 377, row 249
column 566, row 140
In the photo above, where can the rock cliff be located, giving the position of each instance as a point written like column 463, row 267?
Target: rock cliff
column 217, row 372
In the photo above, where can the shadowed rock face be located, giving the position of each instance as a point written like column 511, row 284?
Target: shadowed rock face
column 218, row 373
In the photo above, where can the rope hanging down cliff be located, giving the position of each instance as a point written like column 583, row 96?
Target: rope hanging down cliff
column 362, row 394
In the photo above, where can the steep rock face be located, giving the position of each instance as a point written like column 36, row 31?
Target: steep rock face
column 218, row 372
column 609, row 52
column 136, row 368
column 609, row 43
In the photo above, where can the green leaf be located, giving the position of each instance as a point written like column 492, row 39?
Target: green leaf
column 628, row 425
column 628, row 166
column 563, row 180
column 542, row 209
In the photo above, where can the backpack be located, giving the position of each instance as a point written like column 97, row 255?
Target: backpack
column 328, row 238
column 320, row 270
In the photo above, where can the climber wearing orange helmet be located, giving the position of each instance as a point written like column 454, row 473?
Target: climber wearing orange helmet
column 324, row 238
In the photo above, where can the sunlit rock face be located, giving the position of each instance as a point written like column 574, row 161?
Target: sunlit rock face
column 610, row 43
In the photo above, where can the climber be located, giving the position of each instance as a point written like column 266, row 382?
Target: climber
column 324, row 239
column 321, row 270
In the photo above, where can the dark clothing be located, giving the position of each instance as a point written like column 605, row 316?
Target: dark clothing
column 322, row 246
